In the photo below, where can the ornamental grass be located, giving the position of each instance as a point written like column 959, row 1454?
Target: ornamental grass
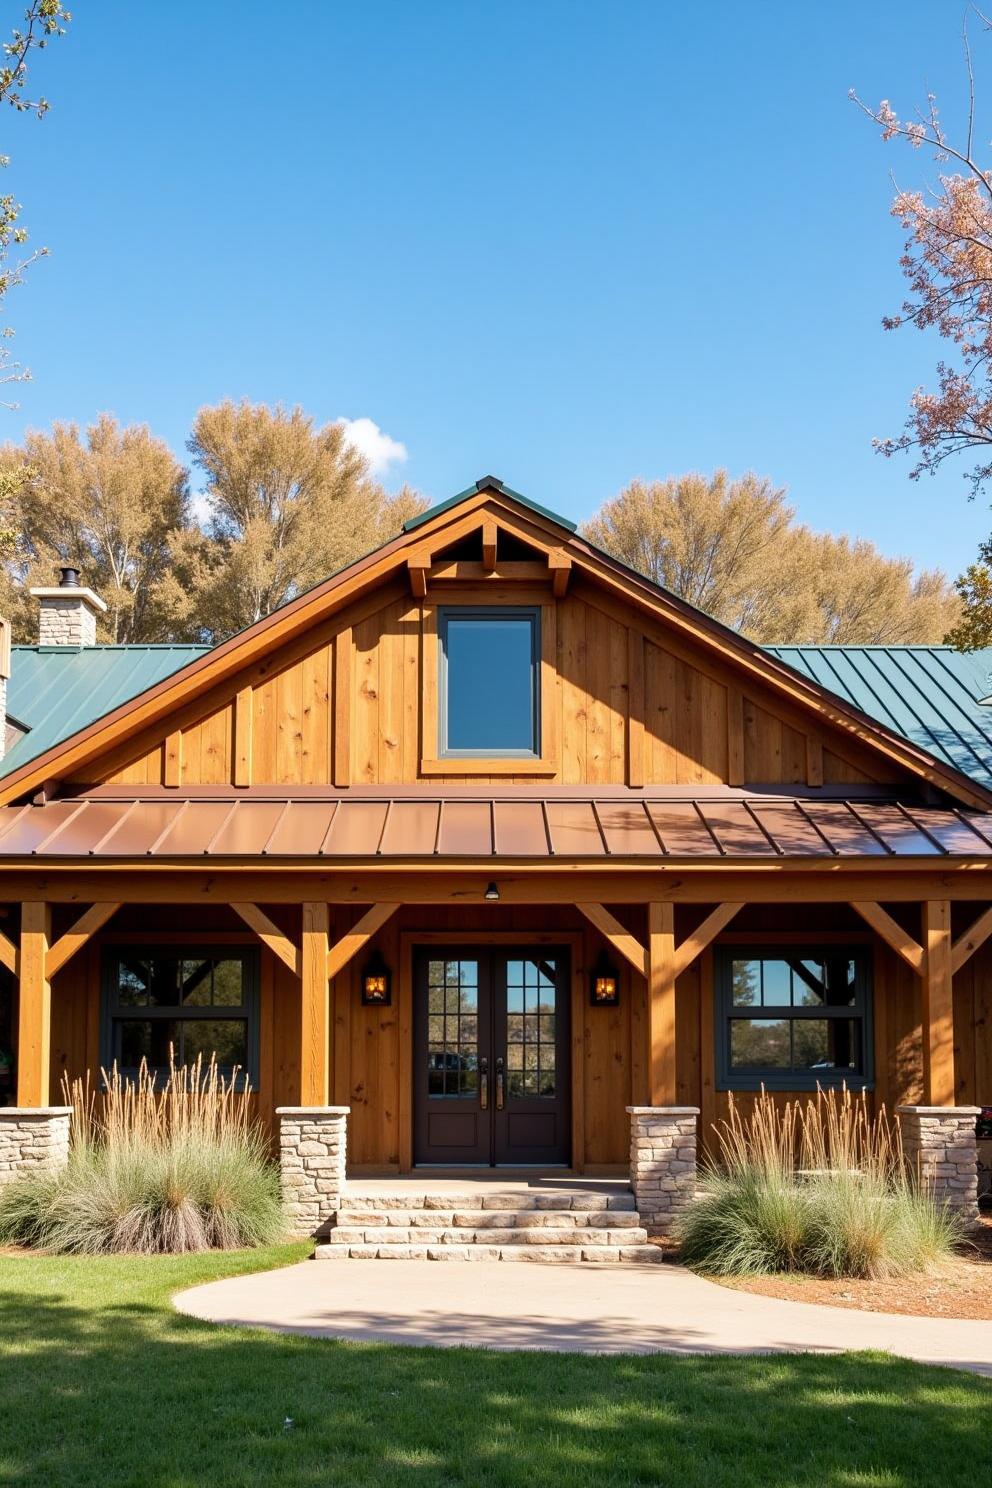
column 177, row 1168
column 819, row 1187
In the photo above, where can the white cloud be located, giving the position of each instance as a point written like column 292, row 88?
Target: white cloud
column 380, row 449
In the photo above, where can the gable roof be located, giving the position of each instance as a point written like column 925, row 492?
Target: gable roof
column 488, row 483
column 932, row 695
column 54, row 691
column 411, row 551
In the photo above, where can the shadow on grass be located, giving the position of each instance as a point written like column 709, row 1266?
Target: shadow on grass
column 122, row 1391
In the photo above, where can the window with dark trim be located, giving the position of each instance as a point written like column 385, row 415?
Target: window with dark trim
column 201, row 1002
column 488, row 682
column 792, row 1019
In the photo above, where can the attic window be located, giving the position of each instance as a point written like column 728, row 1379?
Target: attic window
column 488, row 692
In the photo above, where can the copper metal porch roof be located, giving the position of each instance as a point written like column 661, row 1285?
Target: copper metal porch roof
column 479, row 824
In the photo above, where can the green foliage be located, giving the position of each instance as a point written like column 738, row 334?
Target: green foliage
column 821, row 1188
column 748, row 1222
column 104, row 1384
column 191, row 1194
column 974, row 629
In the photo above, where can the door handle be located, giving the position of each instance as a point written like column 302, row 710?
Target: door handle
column 484, row 1084
column 499, row 1084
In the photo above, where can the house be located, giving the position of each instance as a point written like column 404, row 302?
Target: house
column 488, row 851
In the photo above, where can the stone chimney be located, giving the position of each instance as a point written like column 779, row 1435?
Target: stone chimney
column 67, row 613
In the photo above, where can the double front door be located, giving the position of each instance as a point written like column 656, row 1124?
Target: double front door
column 491, row 1056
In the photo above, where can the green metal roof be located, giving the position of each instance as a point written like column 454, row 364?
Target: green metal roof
column 931, row 695
column 487, row 483
column 55, row 690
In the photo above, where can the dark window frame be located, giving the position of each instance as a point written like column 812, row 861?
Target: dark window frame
column 860, row 1011
column 114, row 1012
column 447, row 613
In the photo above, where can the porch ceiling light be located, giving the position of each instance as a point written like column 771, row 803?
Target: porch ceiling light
column 377, row 988
column 492, row 893
column 604, row 984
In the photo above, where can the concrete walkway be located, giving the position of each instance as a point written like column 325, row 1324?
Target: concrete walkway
column 587, row 1309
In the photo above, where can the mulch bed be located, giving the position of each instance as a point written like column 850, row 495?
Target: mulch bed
column 961, row 1289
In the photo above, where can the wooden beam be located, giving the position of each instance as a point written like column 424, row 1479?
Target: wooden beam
column 418, row 566
column 172, row 765
column 938, row 1006
column 92, row 920
column 315, row 1049
column 620, row 939
column 735, row 736
column 635, row 708
column 971, row 940
column 661, row 1002
column 243, row 736
column 8, row 953
column 892, row 933
column 359, row 935
column 34, row 1023
column 270, row 935
column 342, row 706
column 560, row 569
column 696, row 943
column 489, row 534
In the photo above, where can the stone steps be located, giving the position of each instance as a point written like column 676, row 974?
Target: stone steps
column 559, row 1225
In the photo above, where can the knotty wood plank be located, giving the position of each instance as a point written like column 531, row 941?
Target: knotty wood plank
column 342, row 706
column 938, row 1005
column 735, row 736
column 34, row 1022
column 635, row 708
column 661, row 1002
column 314, row 1011
column 243, row 736
column 172, row 768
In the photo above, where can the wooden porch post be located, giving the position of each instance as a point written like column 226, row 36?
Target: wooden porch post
column 315, row 1030
column 938, row 1005
column 34, row 1025
column 661, row 1002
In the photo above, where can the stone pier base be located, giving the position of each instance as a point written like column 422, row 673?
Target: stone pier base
column 662, row 1162
column 33, row 1137
column 312, row 1154
column 940, row 1146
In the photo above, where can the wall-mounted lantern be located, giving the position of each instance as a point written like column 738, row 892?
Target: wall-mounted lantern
column 604, row 984
column 376, row 982
column 492, row 893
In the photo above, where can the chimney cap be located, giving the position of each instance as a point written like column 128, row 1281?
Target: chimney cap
column 68, row 578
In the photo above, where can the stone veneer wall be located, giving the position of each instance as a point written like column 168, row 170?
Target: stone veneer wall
column 313, row 1144
column 940, row 1145
column 662, row 1162
column 32, row 1137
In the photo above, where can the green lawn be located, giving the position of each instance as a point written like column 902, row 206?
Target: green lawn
column 102, row 1383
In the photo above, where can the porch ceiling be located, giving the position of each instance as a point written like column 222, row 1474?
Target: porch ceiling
column 489, row 824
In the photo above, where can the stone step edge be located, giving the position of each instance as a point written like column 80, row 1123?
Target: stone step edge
column 475, row 1201
column 480, row 1219
column 574, row 1239
column 550, row 1255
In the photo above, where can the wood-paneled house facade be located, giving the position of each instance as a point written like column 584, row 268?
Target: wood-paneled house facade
column 488, row 839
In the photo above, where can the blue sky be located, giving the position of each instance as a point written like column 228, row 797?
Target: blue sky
column 563, row 242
